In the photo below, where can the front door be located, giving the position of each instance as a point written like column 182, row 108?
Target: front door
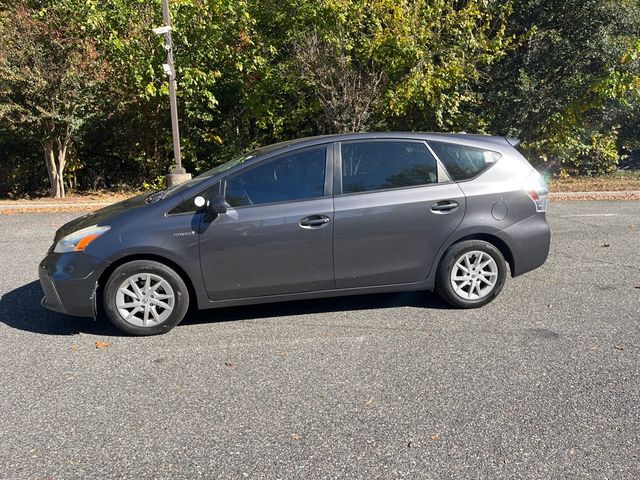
column 277, row 235
column 393, row 212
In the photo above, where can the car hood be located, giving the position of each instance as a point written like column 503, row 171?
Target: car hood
column 100, row 217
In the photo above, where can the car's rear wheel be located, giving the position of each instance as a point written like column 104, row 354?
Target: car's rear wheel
column 144, row 297
column 472, row 273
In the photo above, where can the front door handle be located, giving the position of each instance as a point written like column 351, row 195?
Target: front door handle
column 314, row 221
column 444, row 206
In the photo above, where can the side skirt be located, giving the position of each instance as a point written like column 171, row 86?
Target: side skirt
column 205, row 303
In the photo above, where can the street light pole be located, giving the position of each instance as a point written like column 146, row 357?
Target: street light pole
column 178, row 174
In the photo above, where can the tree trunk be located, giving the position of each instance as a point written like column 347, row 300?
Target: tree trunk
column 55, row 157
column 52, row 168
column 62, row 161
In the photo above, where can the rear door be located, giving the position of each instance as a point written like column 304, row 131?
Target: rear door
column 394, row 208
column 277, row 235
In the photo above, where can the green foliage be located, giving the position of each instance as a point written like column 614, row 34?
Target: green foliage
column 50, row 75
column 562, row 75
column 577, row 151
column 571, row 82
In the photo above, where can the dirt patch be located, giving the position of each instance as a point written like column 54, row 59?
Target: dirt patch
column 92, row 197
column 72, row 203
column 23, row 211
column 623, row 180
column 559, row 197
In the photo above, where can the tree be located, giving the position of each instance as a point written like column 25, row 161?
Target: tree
column 562, row 75
column 566, row 86
column 51, row 75
column 348, row 93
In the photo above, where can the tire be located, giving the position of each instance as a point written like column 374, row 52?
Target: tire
column 144, row 297
column 478, row 291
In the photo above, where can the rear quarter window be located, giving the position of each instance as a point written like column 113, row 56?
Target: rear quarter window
column 463, row 162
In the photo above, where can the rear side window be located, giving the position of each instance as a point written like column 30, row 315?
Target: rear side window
column 464, row 162
column 297, row 176
column 368, row 166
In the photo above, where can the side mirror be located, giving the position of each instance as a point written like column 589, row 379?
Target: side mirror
column 217, row 205
column 214, row 206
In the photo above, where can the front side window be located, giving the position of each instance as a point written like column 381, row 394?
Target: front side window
column 189, row 206
column 378, row 165
column 297, row 176
column 464, row 162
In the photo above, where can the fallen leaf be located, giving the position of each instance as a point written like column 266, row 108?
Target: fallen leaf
column 606, row 245
column 296, row 436
column 73, row 347
column 618, row 347
column 228, row 364
column 369, row 402
column 594, row 348
column 435, row 436
column 103, row 344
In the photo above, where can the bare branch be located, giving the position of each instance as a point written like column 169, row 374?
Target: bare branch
column 346, row 90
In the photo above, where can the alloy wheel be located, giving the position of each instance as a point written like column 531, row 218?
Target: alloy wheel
column 145, row 300
column 474, row 275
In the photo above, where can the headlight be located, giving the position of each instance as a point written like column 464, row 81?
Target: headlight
column 78, row 241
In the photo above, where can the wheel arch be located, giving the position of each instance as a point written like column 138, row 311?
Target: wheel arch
column 497, row 242
column 102, row 280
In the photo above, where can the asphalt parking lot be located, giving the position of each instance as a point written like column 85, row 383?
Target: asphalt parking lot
column 542, row 383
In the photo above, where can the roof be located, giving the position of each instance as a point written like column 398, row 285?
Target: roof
column 466, row 138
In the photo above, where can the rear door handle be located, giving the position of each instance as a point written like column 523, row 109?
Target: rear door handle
column 314, row 221
column 444, row 206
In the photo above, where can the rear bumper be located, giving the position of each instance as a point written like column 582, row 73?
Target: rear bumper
column 529, row 241
column 69, row 282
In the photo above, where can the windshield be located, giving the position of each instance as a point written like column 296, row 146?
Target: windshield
column 154, row 197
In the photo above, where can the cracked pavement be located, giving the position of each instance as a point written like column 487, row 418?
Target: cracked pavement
column 542, row 383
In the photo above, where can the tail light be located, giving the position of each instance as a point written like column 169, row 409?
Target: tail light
column 536, row 188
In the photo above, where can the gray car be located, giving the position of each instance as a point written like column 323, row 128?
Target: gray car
column 315, row 217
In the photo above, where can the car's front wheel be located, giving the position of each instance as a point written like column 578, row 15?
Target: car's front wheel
column 472, row 273
column 144, row 297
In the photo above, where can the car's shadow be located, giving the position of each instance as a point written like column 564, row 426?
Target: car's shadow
column 21, row 309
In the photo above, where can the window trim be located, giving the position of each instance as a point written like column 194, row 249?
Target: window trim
column 468, row 146
column 337, row 185
column 328, row 174
column 446, row 177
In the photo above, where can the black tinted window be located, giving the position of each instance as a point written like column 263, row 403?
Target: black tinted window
column 370, row 166
column 464, row 162
column 297, row 176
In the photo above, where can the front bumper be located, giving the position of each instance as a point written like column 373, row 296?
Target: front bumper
column 69, row 282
